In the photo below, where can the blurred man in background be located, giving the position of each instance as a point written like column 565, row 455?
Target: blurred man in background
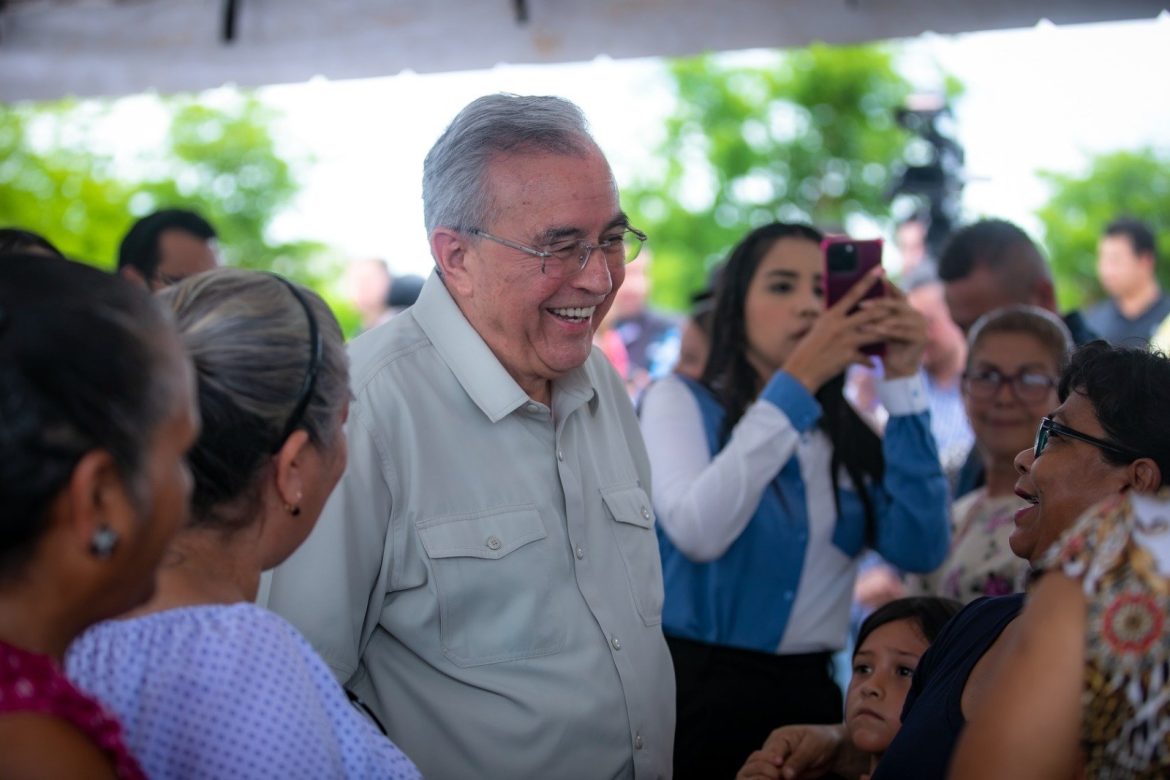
column 1126, row 262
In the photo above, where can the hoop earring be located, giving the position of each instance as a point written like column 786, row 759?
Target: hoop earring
column 104, row 540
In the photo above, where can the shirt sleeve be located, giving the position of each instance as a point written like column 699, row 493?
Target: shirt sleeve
column 704, row 503
column 331, row 588
column 913, row 530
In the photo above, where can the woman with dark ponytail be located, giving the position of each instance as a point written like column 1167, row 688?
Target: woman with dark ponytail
column 97, row 412
column 768, row 486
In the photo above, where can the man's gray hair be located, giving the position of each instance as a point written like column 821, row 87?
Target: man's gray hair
column 455, row 190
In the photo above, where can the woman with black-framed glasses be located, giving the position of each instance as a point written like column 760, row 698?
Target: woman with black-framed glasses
column 207, row 683
column 1077, row 685
column 1014, row 360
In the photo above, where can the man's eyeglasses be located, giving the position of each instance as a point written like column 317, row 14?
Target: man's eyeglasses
column 1048, row 427
column 567, row 258
column 1028, row 386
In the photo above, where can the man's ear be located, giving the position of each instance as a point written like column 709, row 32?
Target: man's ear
column 449, row 248
column 1044, row 294
column 1145, row 476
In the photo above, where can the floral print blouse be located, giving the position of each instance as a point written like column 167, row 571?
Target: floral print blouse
column 1120, row 551
column 980, row 562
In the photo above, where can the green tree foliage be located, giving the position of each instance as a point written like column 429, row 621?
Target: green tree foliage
column 217, row 157
column 810, row 135
column 1133, row 184
column 50, row 185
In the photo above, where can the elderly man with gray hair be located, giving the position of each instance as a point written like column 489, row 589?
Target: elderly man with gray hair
column 487, row 575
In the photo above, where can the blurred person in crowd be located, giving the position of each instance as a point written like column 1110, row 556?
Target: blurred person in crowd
column 991, row 264
column 769, row 487
column 404, row 291
column 943, row 361
column 988, row 265
column 1127, row 258
column 17, row 240
column 695, row 338
column 367, row 285
column 910, row 241
column 93, row 482
column 166, row 247
column 650, row 339
column 207, row 683
column 487, row 574
column 1108, row 438
column 1016, row 357
column 890, row 644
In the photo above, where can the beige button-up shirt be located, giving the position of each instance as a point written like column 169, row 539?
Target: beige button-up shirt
column 486, row 574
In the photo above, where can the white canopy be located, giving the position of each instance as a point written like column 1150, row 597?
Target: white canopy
column 54, row 48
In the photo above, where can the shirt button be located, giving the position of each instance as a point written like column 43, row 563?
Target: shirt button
column 560, row 454
column 580, row 551
column 493, row 542
column 788, row 595
column 533, row 408
column 645, row 513
column 616, row 643
column 638, row 742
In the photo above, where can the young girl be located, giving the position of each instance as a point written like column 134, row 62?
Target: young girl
column 768, row 487
column 889, row 644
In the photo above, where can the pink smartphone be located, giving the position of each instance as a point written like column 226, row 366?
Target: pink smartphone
column 846, row 261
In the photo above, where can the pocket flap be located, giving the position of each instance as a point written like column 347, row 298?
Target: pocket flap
column 629, row 505
column 491, row 534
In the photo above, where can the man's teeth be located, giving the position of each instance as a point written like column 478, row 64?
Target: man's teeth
column 582, row 313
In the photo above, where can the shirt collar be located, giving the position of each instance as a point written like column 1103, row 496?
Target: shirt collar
column 475, row 366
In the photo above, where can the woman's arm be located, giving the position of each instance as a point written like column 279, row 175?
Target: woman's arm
column 1028, row 722
column 704, row 503
column 913, row 530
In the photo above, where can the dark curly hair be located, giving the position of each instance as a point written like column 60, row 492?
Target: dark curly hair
column 1130, row 393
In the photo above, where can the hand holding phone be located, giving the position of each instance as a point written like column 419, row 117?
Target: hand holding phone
column 847, row 261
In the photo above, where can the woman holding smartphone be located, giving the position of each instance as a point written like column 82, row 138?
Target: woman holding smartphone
column 768, row 486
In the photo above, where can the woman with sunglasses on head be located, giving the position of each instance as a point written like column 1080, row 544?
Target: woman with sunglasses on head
column 97, row 410
column 206, row 683
column 1108, row 439
column 768, row 486
column 1014, row 360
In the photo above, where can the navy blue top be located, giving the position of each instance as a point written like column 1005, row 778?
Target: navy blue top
column 933, row 715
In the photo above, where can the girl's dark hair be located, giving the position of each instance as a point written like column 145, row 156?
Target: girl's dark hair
column 87, row 362
column 250, row 336
column 1130, row 392
column 736, row 383
column 931, row 613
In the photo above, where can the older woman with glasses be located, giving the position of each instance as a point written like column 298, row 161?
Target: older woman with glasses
column 206, row 683
column 1107, row 441
column 1014, row 360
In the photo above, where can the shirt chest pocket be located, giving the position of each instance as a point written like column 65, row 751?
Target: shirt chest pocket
column 493, row 573
column 634, row 527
